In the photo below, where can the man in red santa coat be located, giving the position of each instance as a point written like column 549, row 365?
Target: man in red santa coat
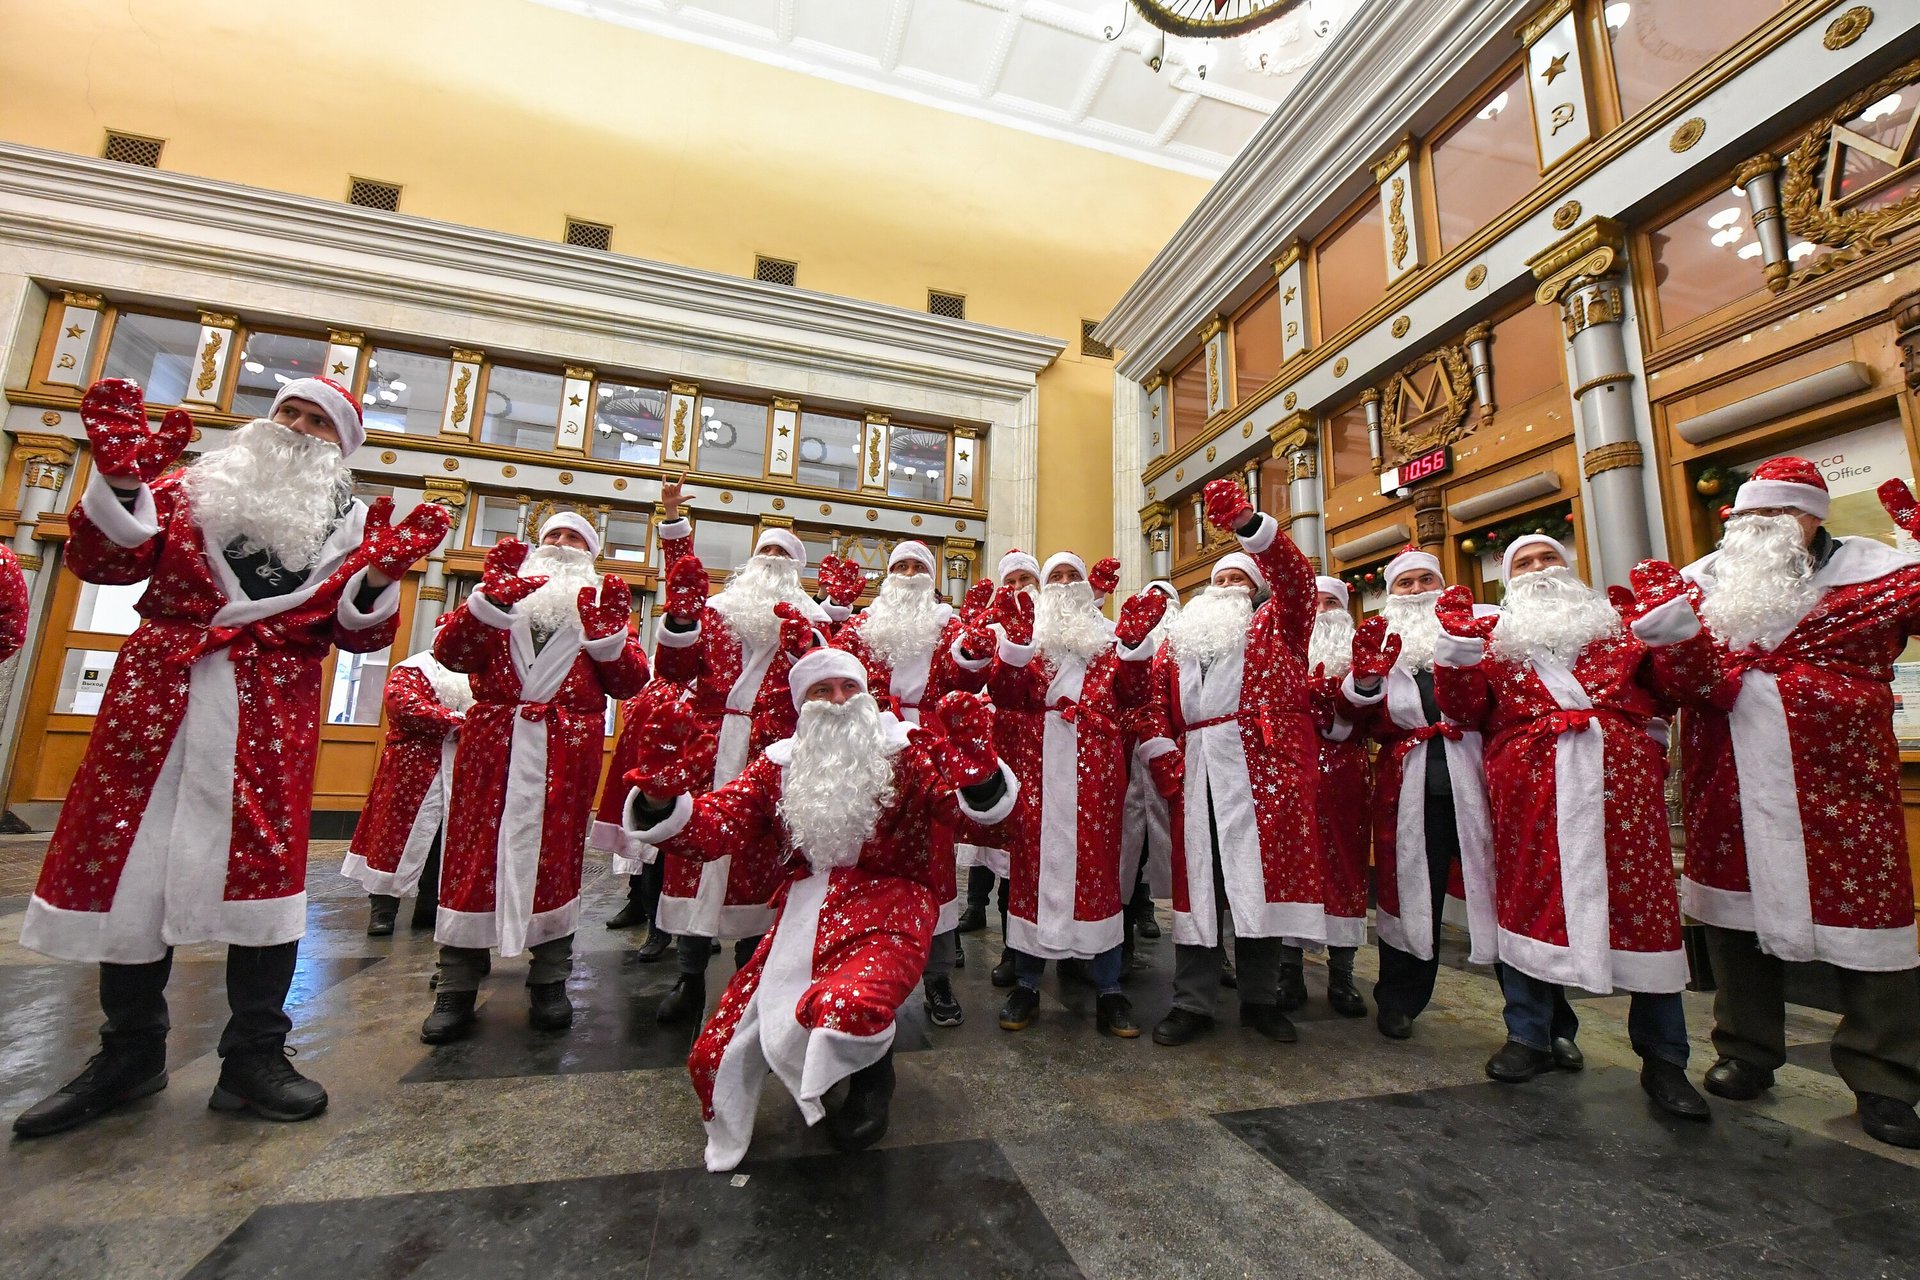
column 730, row 654
column 396, row 846
column 188, row 819
column 1066, row 680
column 1235, row 753
column 1146, row 835
column 545, row 639
column 1342, row 802
column 916, row 651
column 1796, row 846
column 844, row 811
column 641, row 865
column 1429, row 795
column 1572, row 701
column 14, row 605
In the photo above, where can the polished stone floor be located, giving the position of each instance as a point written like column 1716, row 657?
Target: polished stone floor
column 1051, row 1153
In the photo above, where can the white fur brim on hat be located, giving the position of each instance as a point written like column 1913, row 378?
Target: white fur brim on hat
column 914, row 551
column 341, row 411
column 823, row 664
column 1016, row 562
column 1782, row 493
column 1327, row 586
column 1530, row 540
column 1165, row 588
column 1059, row 558
column 574, row 522
column 1244, row 563
column 1409, row 561
column 783, row 539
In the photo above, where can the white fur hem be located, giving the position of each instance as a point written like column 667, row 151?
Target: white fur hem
column 961, row 660
column 1143, row 652
column 1669, row 623
column 1352, row 693
column 667, row 637
column 123, row 528
column 665, row 829
column 1076, row 939
column 1646, row 972
column 1152, row 749
column 385, row 605
column 1015, row 655
column 488, row 612
column 998, row 811
column 355, row 868
column 1450, row 650
column 1867, row 950
column 606, row 648
column 675, row 529
column 481, row 929
column 1345, row 931
column 832, row 1056
column 94, row 936
column 1262, row 538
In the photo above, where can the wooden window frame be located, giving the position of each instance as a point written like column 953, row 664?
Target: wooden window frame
column 1425, row 179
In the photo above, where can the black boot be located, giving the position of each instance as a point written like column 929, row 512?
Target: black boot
column 1737, row 1080
column 1394, row 1025
column 1229, row 976
column 861, row 1120
column 1114, row 1016
column 943, row 1009
column 658, row 942
column 959, row 952
column 1180, row 1026
column 1888, row 1120
column 1017, row 1013
column 1567, row 1055
column 972, row 919
column 1673, row 1093
column 1293, row 987
column 1269, row 1022
column 630, row 916
column 1516, row 1063
column 1003, row 974
column 116, row 1075
column 264, row 1082
column 1343, row 997
column 687, row 1002
column 383, row 910
column 1147, row 923
column 548, row 1008
column 451, row 1019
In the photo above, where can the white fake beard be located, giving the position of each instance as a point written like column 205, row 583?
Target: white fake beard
column 1213, row 625
column 904, row 621
column 452, row 688
column 1762, row 582
column 838, row 781
column 556, row 603
column 1413, row 619
column 1331, row 644
column 1550, row 614
column 270, row 488
column 747, row 601
column 1065, row 622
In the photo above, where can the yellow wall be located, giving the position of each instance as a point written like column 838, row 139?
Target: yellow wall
column 508, row 115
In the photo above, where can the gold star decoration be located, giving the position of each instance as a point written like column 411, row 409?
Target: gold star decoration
column 1555, row 69
column 339, row 366
column 964, row 455
column 784, row 431
column 74, row 331
column 573, row 400
column 1289, row 297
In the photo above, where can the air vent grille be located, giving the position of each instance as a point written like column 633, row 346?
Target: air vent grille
column 369, row 194
column 589, row 235
column 131, row 148
column 776, row 271
column 951, row 305
column 1090, row 345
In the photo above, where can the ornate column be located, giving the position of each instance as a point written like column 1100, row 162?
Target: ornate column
column 1393, row 175
column 1429, row 518
column 1296, row 442
column 1482, row 365
column 1759, row 177
column 961, row 559
column 1370, row 402
column 1905, row 315
column 44, row 464
column 1582, row 275
column 1156, row 523
column 431, row 600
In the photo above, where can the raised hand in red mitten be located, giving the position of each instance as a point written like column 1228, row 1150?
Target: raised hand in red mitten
column 1620, row 598
column 977, row 605
column 391, row 549
column 1013, row 611
column 796, row 631
column 1895, row 496
column 676, row 752
column 1454, row 609
column 842, row 580
column 125, row 447
column 1374, row 652
column 1655, row 582
column 610, row 611
column 1169, row 772
column 1138, row 617
column 687, row 587
column 1104, row 577
column 500, row 579
column 966, row 753
column 1227, row 505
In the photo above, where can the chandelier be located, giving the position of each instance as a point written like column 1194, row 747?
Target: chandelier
column 1266, row 44
column 1213, row 18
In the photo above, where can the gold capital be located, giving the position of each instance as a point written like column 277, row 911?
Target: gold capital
column 467, row 357
column 216, row 320
column 1540, row 23
column 91, row 301
column 1594, row 248
column 575, row 371
column 344, row 338
column 1384, row 167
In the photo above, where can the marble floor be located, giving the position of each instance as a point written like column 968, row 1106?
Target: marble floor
column 1051, row 1153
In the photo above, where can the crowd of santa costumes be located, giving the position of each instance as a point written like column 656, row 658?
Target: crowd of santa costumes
column 838, row 791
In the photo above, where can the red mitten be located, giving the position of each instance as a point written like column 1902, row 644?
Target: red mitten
column 1655, row 582
column 676, row 752
column 796, row 631
column 610, row 612
column 500, row 579
column 967, row 753
column 1895, row 496
column 842, row 580
column 125, row 447
column 1374, row 652
column 687, row 587
column 1104, row 578
column 1013, row 610
column 394, row 548
column 1455, row 612
column 977, row 605
column 1138, row 617
column 1169, row 770
column 1620, row 598
column 1227, row 505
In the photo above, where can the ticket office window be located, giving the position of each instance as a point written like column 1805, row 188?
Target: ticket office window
column 406, row 391
column 1256, row 345
column 1655, row 44
column 1485, row 162
column 1350, row 269
column 155, row 351
column 1189, row 395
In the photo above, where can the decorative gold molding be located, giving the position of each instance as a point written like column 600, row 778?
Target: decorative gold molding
column 1612, row 457
column 1477, row 333
column 44, row 459
column 1848, row 27
column 1601, row 381
column 1754, row 167
column 344, row 338
column 461, row 386
column 509, row 471
column 1429, row 517
column 1154, row 383
column 49, row 419
column 1295, row 431
column 1592, row 249
column 1155, row 515
column 436, row 594
column 1400, row 326
column 1852, row 233
column 1383, row 168
column 1288, row 256
column 1691, row 130
column 1340, row 367
column 1905, row 316
column 1596, row 302
column 1566, row 215
column 218, row 320
column 1213, row 377
column 1538, row 25
column 791, row 406
column 462, row 355
column 30, row 561
column 89, row 301
column 1397, row 223
column 203, row 383
column 1213, row 328
column 1415, row 417
column 575, row 371
column 1476, row 276
column 1291, row 399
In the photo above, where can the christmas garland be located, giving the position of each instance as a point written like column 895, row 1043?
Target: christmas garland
column 1555, row 522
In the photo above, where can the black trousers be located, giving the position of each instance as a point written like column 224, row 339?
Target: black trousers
column 643, row 888
column 1406, row 982
column 980, row 886
column 134, row 998
column 426, row 903
column 692, row 953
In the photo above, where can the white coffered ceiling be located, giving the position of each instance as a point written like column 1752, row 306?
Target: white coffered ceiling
column 1046, row 66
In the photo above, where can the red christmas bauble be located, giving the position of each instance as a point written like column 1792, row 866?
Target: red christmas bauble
column 1726, row 514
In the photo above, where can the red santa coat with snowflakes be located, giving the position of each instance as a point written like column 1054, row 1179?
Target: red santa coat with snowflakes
column 14, row 604
column 407, row 804
column 628, row 855
column 740, row 693
column 1576, row 767
column 187, row 821
column 1059, row 724
column 1343, row 799
column 1245, row 728
column 1792, row 774
column 942, row 670
column 524, row 772
column 816, row 1002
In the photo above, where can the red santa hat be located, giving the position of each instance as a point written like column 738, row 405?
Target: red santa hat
column 1328, row 586
column 1059, row 558
column 1412, row 560
column 784, row 540
column 574, row 522
column 1016, row 561
column 1244, row 563
column 1530, row 540
column 1785, row 482
column 334, row 400
column 823, row 664
column 915, row 551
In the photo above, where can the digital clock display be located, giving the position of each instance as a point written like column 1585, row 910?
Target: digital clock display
column 1432, row 463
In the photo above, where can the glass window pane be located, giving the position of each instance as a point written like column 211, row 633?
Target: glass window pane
column 359, row 679
column 271, row 359
column 721, row 545
column 83, row 681
column 1188, row 392
column 499, row 518
column 1706, row 258
column 733, row 437
column 406, row 392
column 626, row 537
column 523, row 408
column 1863, row 180
column 1484, row 163
column 1528, row 351
column 1350, row 270
column 1659, row 43
column 1347, row 444
column 626, row 422
column 917, row 464
column 1256, row 346
column 829, row 451
column 154, row 351
column 108, row 610
column 819, row 545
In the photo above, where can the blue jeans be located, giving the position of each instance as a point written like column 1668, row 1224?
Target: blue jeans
column 1104, row 969
column 1538, row 1013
